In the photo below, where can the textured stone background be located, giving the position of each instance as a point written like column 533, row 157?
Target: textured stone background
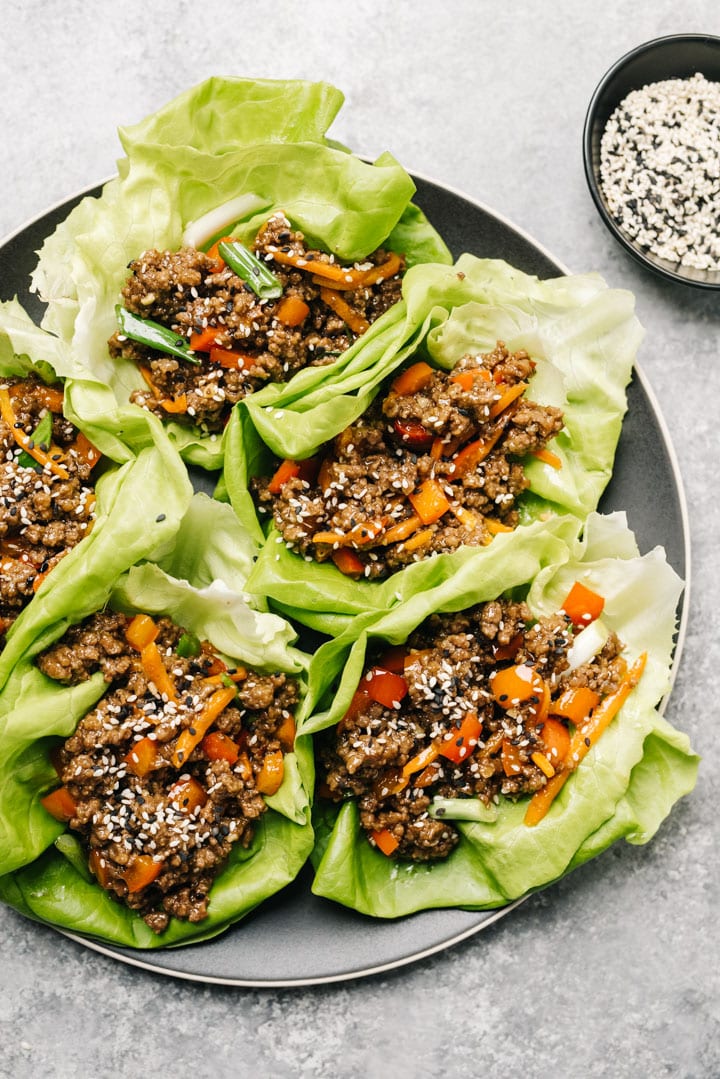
column 614, row 971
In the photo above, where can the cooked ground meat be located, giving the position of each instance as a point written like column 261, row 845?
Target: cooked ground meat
column 476, row 740
column 158, row 820
column 44, row 509
column 454, row 437
column 190, row 292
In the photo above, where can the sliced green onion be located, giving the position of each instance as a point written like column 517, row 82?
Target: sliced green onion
column 147, row 332
column 253, row 272
column 188, row 646
column 471, row 809
column 41, row 437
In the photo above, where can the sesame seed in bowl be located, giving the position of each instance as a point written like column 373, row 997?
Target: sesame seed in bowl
column 652, row 156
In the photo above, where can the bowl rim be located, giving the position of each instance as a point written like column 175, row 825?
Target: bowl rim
column 593, row 179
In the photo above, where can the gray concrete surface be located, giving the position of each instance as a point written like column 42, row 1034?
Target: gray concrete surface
column 614, row 971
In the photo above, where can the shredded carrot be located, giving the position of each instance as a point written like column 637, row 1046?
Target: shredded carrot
column 287, row 470
column 400, row 531
column 467, row 518
column 421, row 760
column 286, row 733
column 230, row 360
column 342, row 277
column 26, row 442
column 494, row 527
column 547, row 457
column 583, row 739
column 174, row 405
column 418, row 540
column 473, row 454
column 146, row 374
column 543, row 764
column 83, row 448
column 357, row 322
column 507, row 398
column 348, row 562
column 413, row 379
column 155, row 671
column 361, row 535
column 213, row 707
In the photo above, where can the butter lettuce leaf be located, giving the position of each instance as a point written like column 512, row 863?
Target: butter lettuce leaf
column 583, row 336
column 624, row 788
column 222, row 139
column 40, row 871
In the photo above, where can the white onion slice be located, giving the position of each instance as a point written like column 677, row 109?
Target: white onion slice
column 214, row 221
column 587, row 644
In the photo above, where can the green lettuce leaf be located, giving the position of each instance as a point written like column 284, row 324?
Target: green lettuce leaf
column 625, row 786
column 217, row 141
column 584, row 337
column 42, row 875
column 140, row 502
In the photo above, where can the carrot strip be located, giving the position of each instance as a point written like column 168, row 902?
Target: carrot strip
column 213, row 707
column 26, row 442
column 348, row 562
column 85, row 451
column 155, row 671
column 547, row 457
column 361, row 535
column 418, row 540
column 422, row 759
column 400, row 531
column 583, row 739
column 413, row 379
column 507, row 399
column 357, row 323
column 472, row 455
column 343, row 277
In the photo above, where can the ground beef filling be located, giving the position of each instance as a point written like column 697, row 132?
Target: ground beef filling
column 45, row 509
column 448, row 668
column 424, row 471
column 157, row 829
column 191, row 292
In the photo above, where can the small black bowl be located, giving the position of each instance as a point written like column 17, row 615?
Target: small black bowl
column 678, row 56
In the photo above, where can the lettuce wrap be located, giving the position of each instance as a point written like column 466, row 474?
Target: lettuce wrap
column 623, row 788
column 239, row 150
column 140, row 500
column 198, row 583
column 583, row 337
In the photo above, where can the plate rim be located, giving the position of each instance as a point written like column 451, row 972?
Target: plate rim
column 492, row 916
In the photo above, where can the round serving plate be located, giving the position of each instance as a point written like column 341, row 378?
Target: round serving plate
column 296, row 938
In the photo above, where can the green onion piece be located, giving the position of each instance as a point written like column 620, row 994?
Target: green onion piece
column 188, row 646
column 227, row 681
column 147, row 332
column 471, row 809
column 253, row 272
column 42, row 437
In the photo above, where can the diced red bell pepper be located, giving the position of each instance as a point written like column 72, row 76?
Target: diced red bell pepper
column 385, row 687
column 413, row 435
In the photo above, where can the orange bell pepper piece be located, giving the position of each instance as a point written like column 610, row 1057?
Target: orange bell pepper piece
column 429, row 501
column 271, row 774
column 60, row 804
column 385, row 841
column 582, row 605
